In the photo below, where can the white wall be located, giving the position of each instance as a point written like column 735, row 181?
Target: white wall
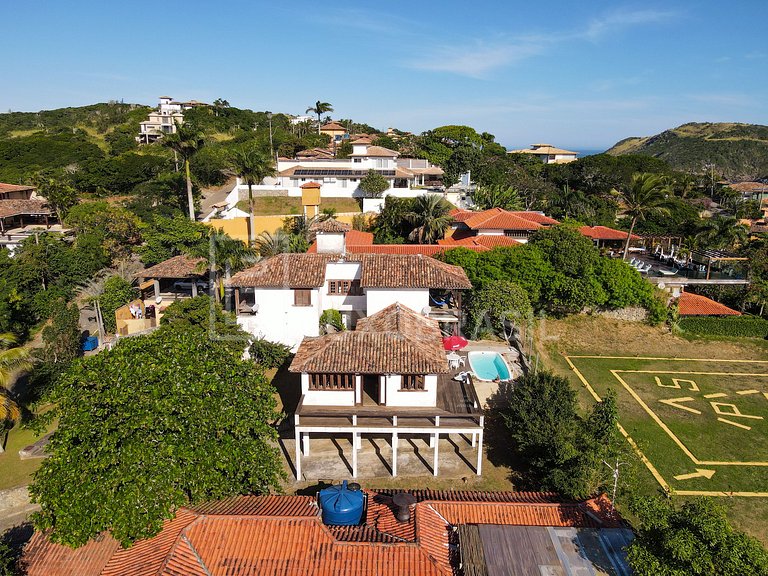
column 325, row 397
column 279, row 320
column 330, row 242
column 396, row 397
column 380, row 298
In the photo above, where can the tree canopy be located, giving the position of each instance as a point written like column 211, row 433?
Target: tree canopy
column 143, row 429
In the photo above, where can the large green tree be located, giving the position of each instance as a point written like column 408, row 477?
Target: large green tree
column 646, row 194
column 430, row 218
column 320, row 108
column 497, row 196
column 373, row 184
column 143, row 429
column 186, row 141
column 692, row 539
column 251, row 165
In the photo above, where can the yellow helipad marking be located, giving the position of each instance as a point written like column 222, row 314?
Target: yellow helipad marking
column 675, row 403
column 735, row 412
column 735, row 424
column 700, row 473
column 716, row 395
column 656, row 474
column 744, row 392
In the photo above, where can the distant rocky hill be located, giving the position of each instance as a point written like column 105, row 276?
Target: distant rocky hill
column 737, row 151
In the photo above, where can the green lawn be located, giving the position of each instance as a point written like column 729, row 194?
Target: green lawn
column 287, row 205
column 14, row 471
column 687, row 432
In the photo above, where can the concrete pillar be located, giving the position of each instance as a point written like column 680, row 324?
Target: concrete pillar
column 474, row 439
column 156, row 284
column 435, row 459
column 297, row 461
column 479, row 466
column 354, row 454
column 394, row 454
column 358, row 389
column 305, row 443
column 431, row 440
column 194, row 287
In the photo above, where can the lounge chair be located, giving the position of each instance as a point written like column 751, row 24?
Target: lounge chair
column 673, row 272
column 646, row 269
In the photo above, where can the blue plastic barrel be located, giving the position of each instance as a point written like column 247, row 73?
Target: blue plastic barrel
column 340, row 505
column 90, row 343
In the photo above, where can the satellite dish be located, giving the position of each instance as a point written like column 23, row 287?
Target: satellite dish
column 662, row 285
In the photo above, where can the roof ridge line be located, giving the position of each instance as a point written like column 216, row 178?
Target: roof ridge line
column 182, row 534
column 197, row 555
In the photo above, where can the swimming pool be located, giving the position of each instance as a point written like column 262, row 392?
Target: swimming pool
column 488, row 366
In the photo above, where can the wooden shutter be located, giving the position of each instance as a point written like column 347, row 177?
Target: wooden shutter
column 302, row 297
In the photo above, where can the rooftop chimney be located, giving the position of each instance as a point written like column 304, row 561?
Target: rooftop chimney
column 403, row 502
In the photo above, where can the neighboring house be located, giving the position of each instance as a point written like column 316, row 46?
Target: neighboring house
column 445, row 533
column 282, row 298
column 516, row 225
column 22, row 214
column 605, row 237
column 340, row 178
column 690, row 304
column 336, row 131
column 391, row 375
column 163, row 120
column 548, row 154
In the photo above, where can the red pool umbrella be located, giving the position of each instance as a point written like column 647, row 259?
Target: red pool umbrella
column 454, row 342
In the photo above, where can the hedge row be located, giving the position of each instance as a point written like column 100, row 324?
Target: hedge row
column 744, row 326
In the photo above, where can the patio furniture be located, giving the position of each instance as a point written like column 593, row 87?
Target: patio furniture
column 462, row 361
column 668, row 272
column 453, row 360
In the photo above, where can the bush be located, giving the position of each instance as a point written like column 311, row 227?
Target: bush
column 739, row 326
column 117, row 292
column 332, row 317
column 269, row 354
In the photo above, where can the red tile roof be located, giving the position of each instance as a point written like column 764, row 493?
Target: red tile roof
column 690, row 304
column 182, row 266
column 21, row 207
column 311, row 185
column 231, row 538
column 483, row 240
column 330, row 225
column 5, row 188
column 395, row 340
column 605, row 233
column 332, row 126
column 535, row 217
column 376, row 151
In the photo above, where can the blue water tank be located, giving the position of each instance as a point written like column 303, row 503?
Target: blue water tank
column 341, row 506
column 90, row 343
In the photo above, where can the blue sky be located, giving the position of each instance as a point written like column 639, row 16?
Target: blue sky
column 578, row 74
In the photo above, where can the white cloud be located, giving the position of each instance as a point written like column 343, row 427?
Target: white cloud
column 615, row 21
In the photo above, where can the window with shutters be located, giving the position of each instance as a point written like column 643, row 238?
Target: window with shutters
column 331, row 381
column 302, row 297
column 412, row 382
column 345, row 287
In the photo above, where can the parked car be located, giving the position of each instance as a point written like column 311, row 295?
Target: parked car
column 186, row 285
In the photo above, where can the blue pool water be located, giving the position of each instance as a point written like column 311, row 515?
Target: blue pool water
column 488, row 365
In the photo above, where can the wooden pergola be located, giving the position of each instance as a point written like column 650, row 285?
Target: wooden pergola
column 709, row 257
column 177, row 268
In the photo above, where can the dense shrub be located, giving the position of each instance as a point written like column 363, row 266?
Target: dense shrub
column 269, row 354
column 739, row 326
column 332, row 317
column 117, row 292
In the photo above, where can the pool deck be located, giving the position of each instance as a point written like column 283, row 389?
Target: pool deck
column 484, row 388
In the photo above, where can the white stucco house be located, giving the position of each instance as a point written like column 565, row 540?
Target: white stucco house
column 389, row 376
column 282, row 298
column 340, row 178
column 164, row 119
column 548, row 154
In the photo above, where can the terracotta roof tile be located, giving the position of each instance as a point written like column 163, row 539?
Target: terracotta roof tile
column 484, row 240
column 535, row 217
column 605, row 233
column 44, row 558
column 5, row 188
column 333, row 126
column 182, row 266
column 395, row 340
column 513, row 514
column 410, row 271
column 690, row 304
column 377, row 151
column 330, row 225
column 311, row 185
column 260, row 506
column 285, row 271
column 21, row 207
column 498, row 219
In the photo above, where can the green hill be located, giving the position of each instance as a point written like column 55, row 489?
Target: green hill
column 737, row 151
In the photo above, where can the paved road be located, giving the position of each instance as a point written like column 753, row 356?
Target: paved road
column 15, row 507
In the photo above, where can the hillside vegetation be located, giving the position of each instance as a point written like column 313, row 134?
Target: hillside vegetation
column 737, row 151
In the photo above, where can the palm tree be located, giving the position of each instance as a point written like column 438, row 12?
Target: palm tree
column 571, row 203
column 9, row 415
column 186, row 142
column 223, row 256
column 11, row 358
column 91, row 292
column 430, row 218
column 251, row 165
column 273, row 244
column 647, row 194
column 497, row 196
column 320, row 108
column 724, row 232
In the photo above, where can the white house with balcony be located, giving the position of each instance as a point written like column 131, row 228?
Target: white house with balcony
column 548, row 154
column 282, row 298
column 389, row 376
column 163, row 120
column 340, row 178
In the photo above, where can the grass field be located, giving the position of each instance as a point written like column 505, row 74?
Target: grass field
column 701, row 424
column 285, row 205
column 705, row 437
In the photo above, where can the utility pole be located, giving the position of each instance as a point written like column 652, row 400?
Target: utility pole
column 271, row 146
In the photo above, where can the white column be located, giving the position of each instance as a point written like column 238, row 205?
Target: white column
column 354, row 454
column 358, row 389
column 431, row 440
column 156, row 284
column 297, row 461
column 305, row 443
column 434, row 461
column 194, row 288
column 394, row 454
column 479, row 466
column 474, row 439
